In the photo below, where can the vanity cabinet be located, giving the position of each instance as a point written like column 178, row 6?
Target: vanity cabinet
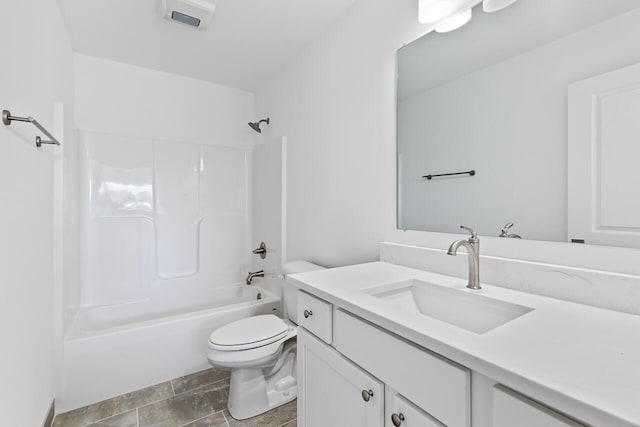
column 356, row 374
column 350, row 343
column 344, row 384
column 333, row 391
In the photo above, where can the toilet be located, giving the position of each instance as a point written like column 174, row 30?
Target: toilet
column 261, row 352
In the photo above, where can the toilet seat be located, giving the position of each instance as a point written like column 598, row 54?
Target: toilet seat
column 249, row 333
column 254, row 341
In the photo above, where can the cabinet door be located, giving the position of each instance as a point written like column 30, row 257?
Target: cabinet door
column 333, row 391
column 402, row 413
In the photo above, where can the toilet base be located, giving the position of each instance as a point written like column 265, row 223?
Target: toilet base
column 254, row 391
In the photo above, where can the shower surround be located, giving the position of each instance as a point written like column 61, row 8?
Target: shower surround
column 165, row 239
column 161, row 214
column 157, row 228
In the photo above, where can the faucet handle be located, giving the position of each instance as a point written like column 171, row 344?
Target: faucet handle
column 474, row 235
column 507, row 227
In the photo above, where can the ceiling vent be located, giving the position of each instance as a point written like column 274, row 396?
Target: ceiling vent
column 197, row 13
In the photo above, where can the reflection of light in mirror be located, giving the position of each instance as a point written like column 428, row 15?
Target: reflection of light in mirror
column 433, row 10
column 455, row 22
column 127, row 196
column 490, row 6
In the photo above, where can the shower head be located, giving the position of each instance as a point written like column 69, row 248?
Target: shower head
column 256, row 126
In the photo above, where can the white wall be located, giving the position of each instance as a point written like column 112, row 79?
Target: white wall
column 36, row 71
column 336, row 104
column 509, row 122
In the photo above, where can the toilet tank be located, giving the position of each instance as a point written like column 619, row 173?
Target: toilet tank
column 289, row 291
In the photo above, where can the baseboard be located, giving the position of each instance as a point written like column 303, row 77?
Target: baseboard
column 48, row 422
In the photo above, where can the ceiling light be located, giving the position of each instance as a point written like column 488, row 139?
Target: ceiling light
column 496, row 5
column 455, row 22
column 434, row 10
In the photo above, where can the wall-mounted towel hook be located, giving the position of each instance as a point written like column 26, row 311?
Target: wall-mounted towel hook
column 7, row 118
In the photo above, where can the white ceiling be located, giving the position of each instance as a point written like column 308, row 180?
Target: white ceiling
column 247, row 41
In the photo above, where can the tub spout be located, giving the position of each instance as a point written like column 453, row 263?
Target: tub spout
column 254, row 274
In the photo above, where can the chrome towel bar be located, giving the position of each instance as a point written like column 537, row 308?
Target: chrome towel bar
column 7, row 118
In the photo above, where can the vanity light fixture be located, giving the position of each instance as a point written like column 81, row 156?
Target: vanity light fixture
column 430, row 11
column 490, row 6
column 455, row 22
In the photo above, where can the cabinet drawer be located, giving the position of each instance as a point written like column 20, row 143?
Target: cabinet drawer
column 438, row 386
column 408, row 414
column 512, row 409
column 315, row 315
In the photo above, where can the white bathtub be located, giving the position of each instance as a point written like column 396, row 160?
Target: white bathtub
column 115, row 349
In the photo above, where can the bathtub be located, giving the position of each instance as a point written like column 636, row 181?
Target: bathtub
column 115, row 349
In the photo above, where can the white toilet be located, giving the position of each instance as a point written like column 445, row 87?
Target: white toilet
column 261, row 351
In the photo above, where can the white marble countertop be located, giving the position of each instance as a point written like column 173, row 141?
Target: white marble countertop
column 580, row 360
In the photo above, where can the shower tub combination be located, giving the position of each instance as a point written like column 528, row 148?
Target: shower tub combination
column 160, row 240
column 115, row 349
column 160, row 237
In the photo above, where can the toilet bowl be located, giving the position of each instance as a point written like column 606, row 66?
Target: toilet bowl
column 261, row 352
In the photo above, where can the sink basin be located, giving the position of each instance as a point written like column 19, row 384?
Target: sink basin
column 464, row 309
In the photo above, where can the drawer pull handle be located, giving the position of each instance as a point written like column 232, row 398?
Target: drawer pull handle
column 397, row 419
column 308, row 313
column 367, row 395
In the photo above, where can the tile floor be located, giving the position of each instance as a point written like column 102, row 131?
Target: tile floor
column 196, row 400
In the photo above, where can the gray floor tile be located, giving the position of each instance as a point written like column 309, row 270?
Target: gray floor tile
column 186, row 407
column 107, row 408
column 145, row 396
column 215, row 420
column 193, row 381
column 128, row 419
column 274, row 418
column 86, row 415
column 200, row 403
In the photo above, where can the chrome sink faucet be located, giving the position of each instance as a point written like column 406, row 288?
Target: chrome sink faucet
column 473, row 252
column 254, row 274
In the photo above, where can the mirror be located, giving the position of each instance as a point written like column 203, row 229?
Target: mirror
column 536, row 110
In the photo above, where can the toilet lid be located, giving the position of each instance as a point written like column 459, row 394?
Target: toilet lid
column 251, row 332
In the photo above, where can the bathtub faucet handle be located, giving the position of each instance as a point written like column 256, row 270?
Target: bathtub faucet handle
column 261, row 250
column 254, row 274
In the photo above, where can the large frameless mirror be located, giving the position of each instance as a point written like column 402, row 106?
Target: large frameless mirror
column 528, row 116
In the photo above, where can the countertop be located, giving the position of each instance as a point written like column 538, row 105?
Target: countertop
column 581, row 360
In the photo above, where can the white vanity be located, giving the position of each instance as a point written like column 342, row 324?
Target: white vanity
column 375, row 351
column 525, row 117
